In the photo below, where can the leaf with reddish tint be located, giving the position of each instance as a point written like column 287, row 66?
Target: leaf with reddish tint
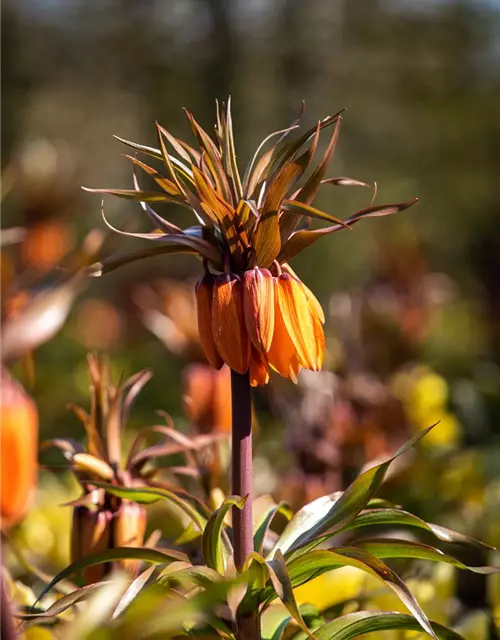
column 167, row 185
column 133, row 194
column 111, row 263
column 267, row 239
column 153, row 556
column 300, row 240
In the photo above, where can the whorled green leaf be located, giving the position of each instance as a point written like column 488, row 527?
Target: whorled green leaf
column 215, row 548
column 334, row 513
column 254, row 578
column 98, row 610
column 275, row 622
column 353, row 625
column 282, row 586
column 315, row 563
column 148, row 495
column 390, row 516
column 393, row 548
column 133, row 590
column 64, row 603
column 262, row 527
column 153, row 556
column 198, row 575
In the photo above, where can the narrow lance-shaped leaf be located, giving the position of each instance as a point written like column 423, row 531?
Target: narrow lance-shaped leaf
column 203, row 247
column 153, row 556
column 299, row 240
column 335, row 512
column 315, row 563
column 215, row 546
column 106, row 265
column 262, row 527
column 63, row 603
column 148, row 495
column 393, row 548
column 390, row 516
column 230, row 156
column 170, row 187
column 131, row 593
column 357, row 624
column 133, row 194
column 256, row 167
column 284, row 590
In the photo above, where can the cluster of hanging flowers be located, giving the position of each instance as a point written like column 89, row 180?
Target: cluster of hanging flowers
column 254, row 312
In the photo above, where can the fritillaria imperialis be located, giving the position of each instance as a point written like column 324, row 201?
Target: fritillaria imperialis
column 254, row 313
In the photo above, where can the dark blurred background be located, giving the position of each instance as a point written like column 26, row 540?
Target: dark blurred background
column 415, row 295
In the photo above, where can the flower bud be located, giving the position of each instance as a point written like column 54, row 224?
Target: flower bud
column 258, row 307
column 18, row 450
column 204, row 294
column 129, row 527
column 91, row 533
column 228, row 324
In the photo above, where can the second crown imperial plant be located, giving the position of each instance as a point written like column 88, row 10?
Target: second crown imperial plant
column 254, row 313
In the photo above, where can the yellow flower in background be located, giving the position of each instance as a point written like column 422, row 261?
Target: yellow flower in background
column 332, row 588
column 45, row 532
column 425, row 395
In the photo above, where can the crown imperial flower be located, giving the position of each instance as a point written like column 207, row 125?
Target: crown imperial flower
column 254, row 313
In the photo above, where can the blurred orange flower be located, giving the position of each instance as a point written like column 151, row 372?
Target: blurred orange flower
column 18, row 450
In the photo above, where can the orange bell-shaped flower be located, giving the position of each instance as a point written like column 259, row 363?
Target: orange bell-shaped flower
column 258, row 307
column 18, row 450
column 204, row 294
column 228, row 323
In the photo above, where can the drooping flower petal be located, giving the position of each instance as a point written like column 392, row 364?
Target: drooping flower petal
column 313, row 301
column 259, row 368
column 228, row 324
column 282, row 355
column 258, row 306
column 298, row 319
column 204, row 294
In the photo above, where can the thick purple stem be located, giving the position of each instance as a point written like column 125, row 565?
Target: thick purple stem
column 241, row 466
column 241, row 481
